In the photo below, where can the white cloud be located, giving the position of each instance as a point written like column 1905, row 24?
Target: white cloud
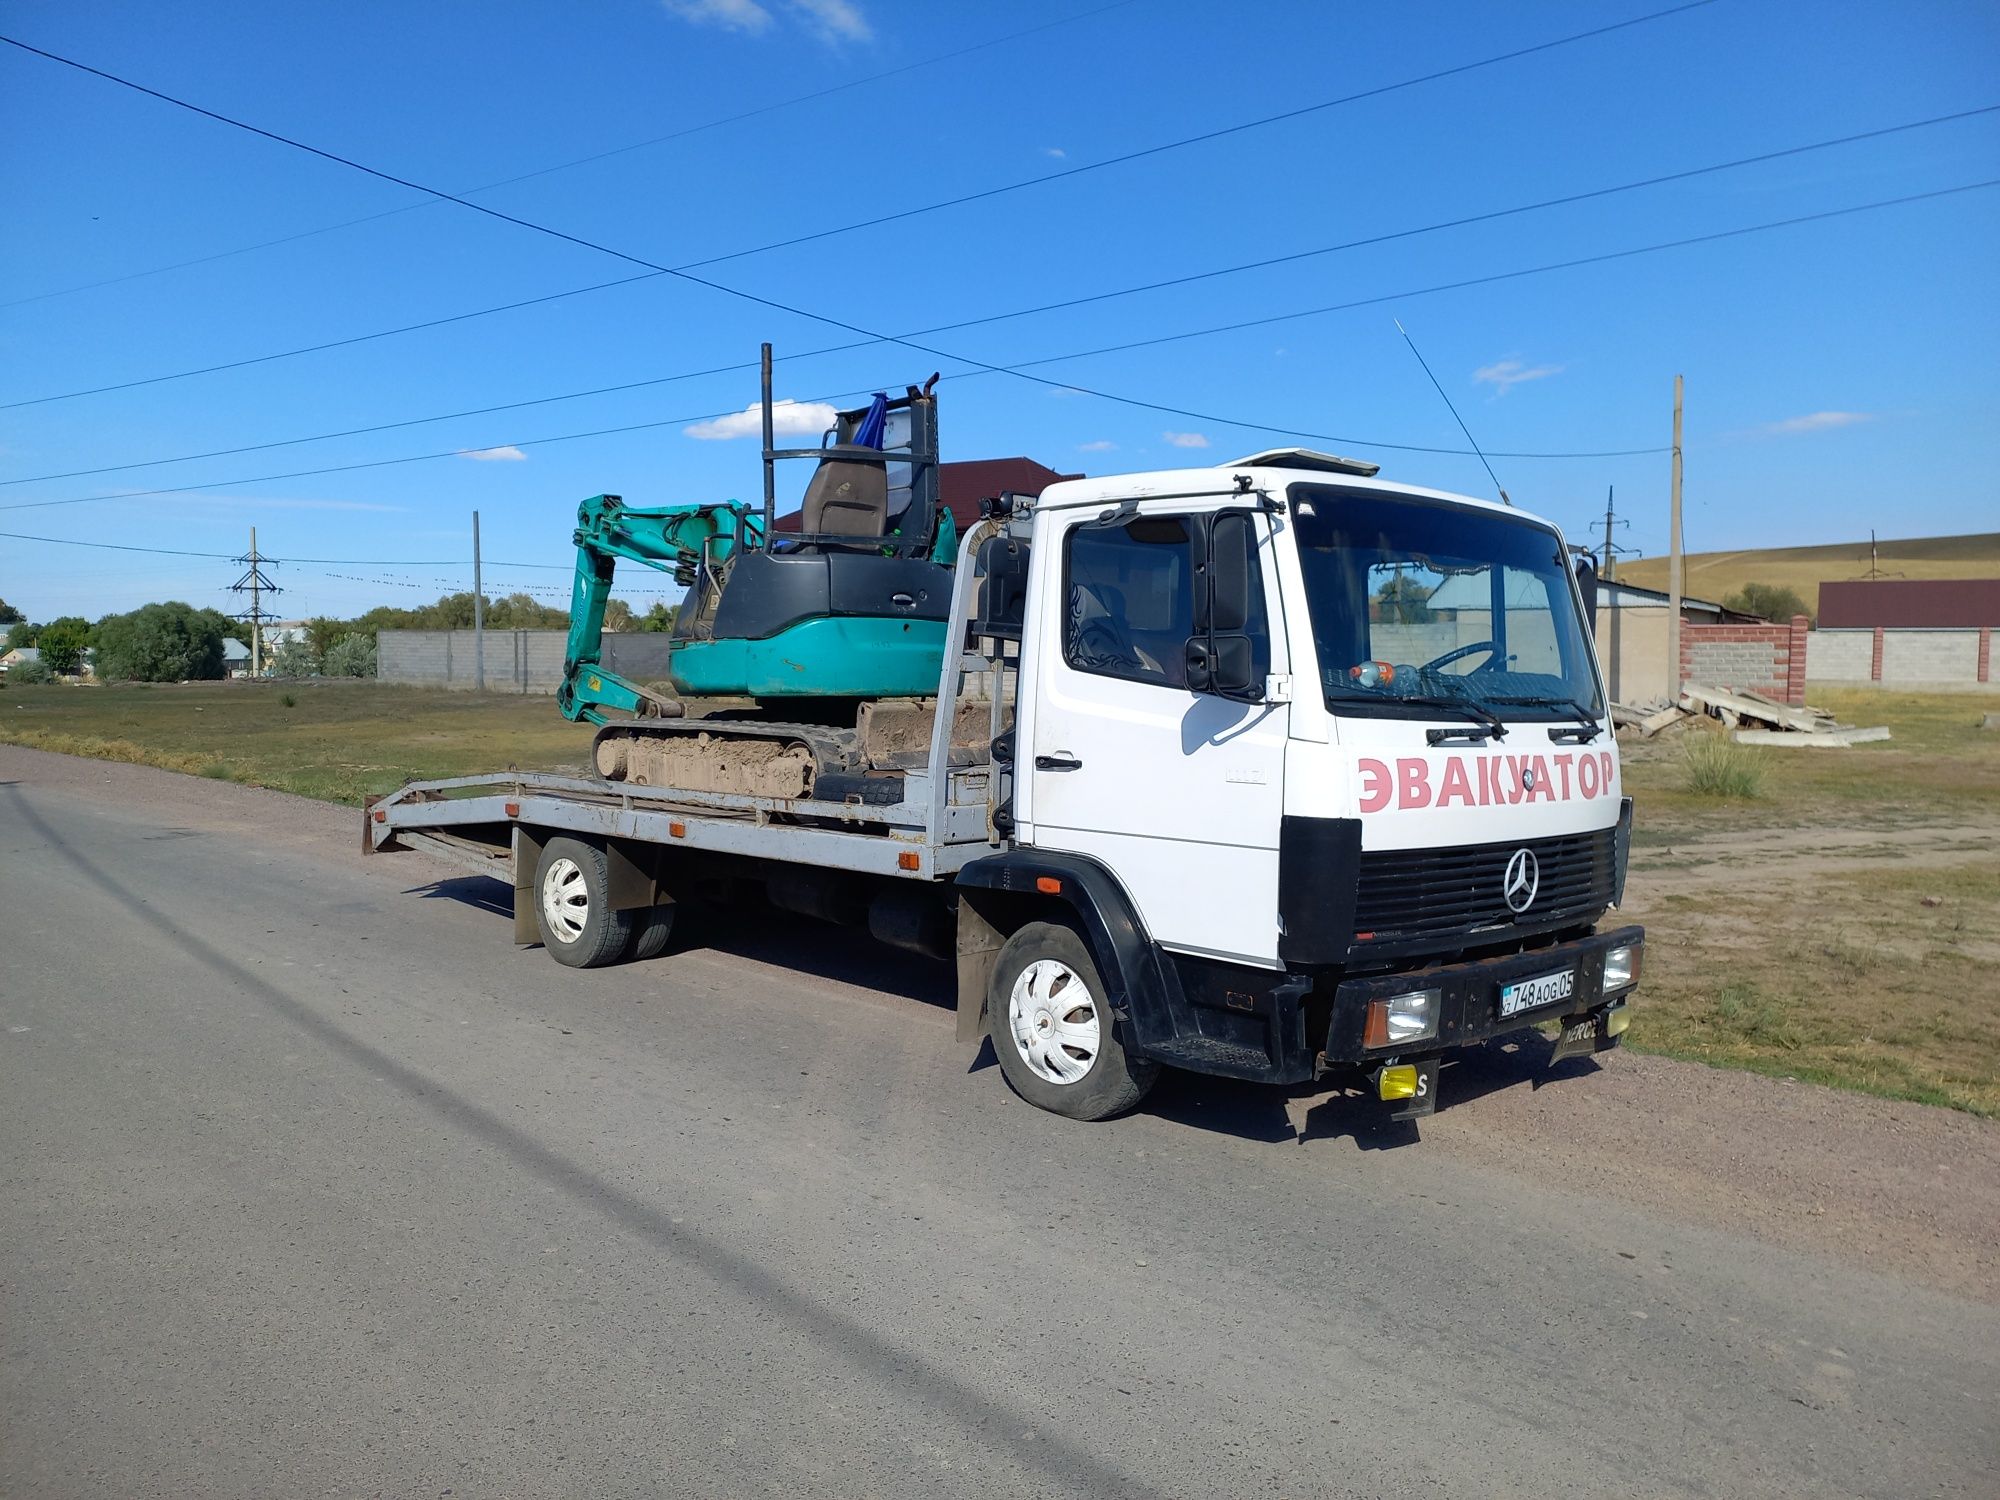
column 1503, row 375
column 731, row 15
column 829, row 20
column 788, row 419
column 508, row 454
column 1056, row 151
column 1102, row 445
column 1186, row 439
column 1818, row 421
column 834, row 20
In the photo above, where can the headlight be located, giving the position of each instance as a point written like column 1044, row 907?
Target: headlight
column 1621, row 968
column 1400, row 1019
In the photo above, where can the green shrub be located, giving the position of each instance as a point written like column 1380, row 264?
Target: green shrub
column 290, row 700
column 350, row 656
column 1715, row 767
column 30, row 673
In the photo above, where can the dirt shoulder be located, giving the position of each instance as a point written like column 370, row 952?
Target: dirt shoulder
column 1904, row 1189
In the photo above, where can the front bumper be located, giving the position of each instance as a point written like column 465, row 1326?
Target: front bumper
column 1469, row 997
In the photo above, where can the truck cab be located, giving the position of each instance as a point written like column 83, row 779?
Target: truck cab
column 1327, row 764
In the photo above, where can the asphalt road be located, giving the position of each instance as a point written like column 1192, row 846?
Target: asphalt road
column 312, row 1184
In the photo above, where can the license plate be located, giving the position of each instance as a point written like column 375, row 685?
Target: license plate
column 1532, row 994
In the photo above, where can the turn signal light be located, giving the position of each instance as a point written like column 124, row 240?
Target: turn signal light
column 907, row 860
column 1048, row 885
column 1617, row 1019
column 1399, row 1082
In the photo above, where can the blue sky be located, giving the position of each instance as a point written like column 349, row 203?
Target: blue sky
column 1841, row 375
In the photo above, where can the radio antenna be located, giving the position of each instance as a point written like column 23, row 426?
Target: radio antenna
column 1453, row 410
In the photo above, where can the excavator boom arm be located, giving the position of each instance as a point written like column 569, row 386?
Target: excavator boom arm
column 682, row 539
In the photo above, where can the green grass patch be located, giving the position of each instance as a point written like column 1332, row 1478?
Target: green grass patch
column 1712, row 766
column 339, row 742
column 1878, row 981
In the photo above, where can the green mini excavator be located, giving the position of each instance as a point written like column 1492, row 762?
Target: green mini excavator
column 806, row 625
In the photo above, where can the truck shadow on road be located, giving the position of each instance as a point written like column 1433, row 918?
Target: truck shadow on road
column 1249, row 1111
column 1332, row 1112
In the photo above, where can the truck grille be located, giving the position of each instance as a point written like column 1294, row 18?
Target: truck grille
column 1408, row 894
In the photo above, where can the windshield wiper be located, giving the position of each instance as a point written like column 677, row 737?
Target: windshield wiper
column 1586, row 728
column 1486, row 718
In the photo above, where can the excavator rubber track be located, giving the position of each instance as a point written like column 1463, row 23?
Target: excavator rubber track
column 751, row 757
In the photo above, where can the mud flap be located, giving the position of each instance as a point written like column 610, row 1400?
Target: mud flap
column 1583, row 1035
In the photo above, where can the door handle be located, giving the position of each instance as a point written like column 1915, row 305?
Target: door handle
column 1058, row 762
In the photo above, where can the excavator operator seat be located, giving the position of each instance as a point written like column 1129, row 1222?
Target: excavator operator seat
column 847, row 498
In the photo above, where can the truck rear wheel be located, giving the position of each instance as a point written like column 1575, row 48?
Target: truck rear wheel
column 573, row 906
column 1052, row 1029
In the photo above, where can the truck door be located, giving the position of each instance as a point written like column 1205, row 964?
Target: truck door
column 1179, row 792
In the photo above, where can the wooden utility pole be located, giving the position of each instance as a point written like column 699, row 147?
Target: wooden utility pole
column 1674, row 558
column 478, row 615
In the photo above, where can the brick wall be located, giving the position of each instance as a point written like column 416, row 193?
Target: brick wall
column 1768, row 659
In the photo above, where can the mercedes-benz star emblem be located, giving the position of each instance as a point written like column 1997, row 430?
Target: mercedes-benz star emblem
column 1527, row 778
column 1523, row 879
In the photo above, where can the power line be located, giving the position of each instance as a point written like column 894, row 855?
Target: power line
column 796, row 311
column 1021, row 367
column 1055, row 306
column 345, row 562
column 581, row 161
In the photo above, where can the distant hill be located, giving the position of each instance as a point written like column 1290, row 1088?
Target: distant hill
column 1713, row 575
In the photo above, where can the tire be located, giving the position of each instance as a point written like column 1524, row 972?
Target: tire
column 573, row 909
column 1052, row 1028
column 652, row 926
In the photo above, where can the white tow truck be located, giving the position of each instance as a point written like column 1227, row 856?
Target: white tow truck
column 1266, row 770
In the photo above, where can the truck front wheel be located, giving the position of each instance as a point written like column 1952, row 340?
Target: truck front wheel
column 1052, row 1030
column 573, row 906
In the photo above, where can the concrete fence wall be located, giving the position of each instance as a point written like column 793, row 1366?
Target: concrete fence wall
column 1893, row 657
column 517, row 661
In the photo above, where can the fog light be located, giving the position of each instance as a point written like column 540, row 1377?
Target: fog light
column 1399, row 1082
column 1621, row 968
column 1408, row 1017
column 1617, row 1019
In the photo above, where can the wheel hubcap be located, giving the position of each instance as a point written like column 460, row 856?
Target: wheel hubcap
column 1054, row 1022
column 565, row 899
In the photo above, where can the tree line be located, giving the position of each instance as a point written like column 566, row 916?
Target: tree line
column 176, row 642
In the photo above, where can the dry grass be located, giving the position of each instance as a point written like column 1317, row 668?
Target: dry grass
column 1712, row 575
column 1858, row 984
column 1939, row 765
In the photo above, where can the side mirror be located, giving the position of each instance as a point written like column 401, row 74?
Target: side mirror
column 1232, row 553
column 1222, row 660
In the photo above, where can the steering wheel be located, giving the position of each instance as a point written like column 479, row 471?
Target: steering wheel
column 1099, row 641
column 1491, row 648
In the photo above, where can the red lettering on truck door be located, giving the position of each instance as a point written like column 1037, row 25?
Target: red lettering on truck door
column 1489, row 781
column 1605, row 765
column 1586, row 775
column 1414, row 782
column 1562, row 766
column 1544, row 789
column 1455, row 784
column 1377, row 785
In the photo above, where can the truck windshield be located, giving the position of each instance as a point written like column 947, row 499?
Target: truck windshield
column 1416, row 600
